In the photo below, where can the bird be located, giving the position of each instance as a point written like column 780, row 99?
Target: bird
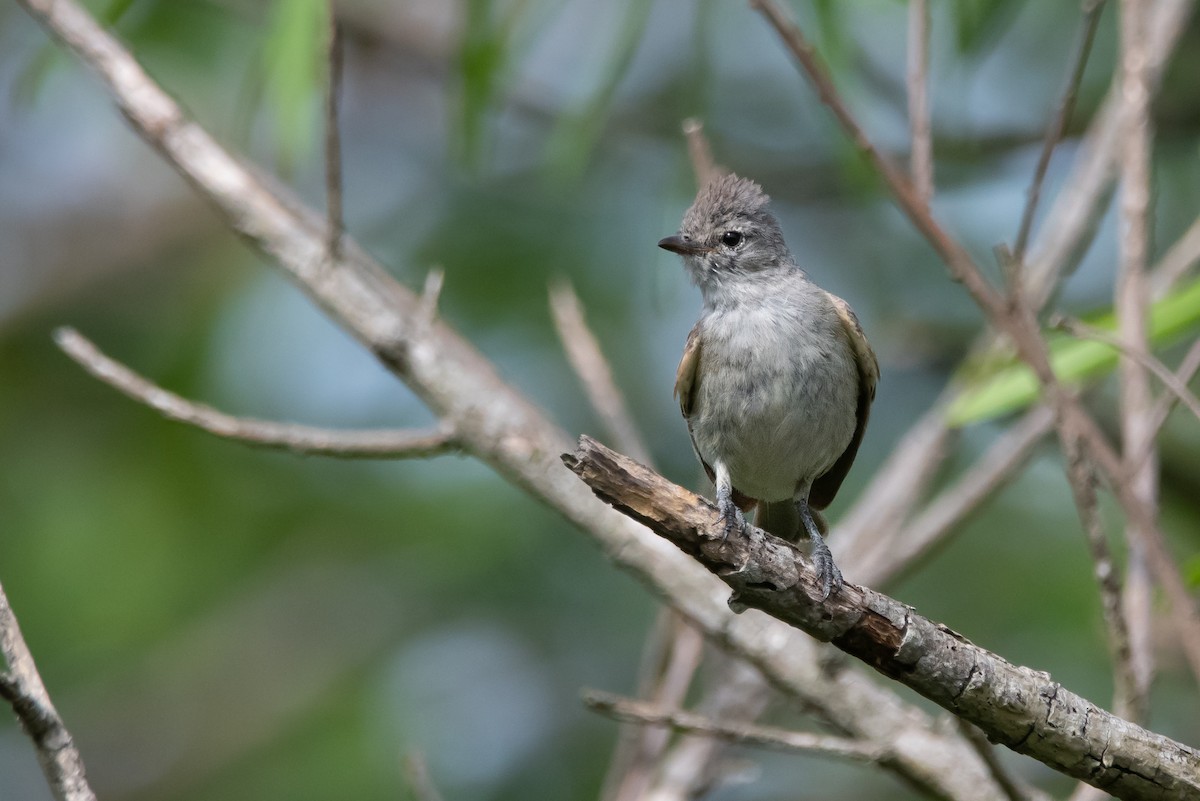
column 777, row 377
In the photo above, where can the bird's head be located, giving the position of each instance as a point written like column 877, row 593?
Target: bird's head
column 728, row 233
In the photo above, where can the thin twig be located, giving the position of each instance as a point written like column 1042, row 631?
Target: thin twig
column 1108, row 579
column 21, row 685
column 1132, row 304
column 1177, row 387
column 381, row 444
column 631, row 710
column 333, row 144
column 920, row 128
column 1066, row 105
column 416, row 773
column 587, row 359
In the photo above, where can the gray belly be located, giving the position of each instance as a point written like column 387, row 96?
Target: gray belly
column 777, row 412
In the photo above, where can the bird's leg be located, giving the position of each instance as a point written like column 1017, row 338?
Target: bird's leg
column 725, row 505
column 831, row 577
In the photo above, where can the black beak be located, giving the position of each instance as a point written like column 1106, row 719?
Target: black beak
column 681, row 245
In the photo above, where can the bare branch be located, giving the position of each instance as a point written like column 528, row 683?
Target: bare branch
column 587, row 359
column 333, row 144
column 1015, row 706
column 1058, row 123
column 1132, row 305
column 1127, row 689
column 632, row 711
column 920, row 129
column 21, row 685
column 380, row 444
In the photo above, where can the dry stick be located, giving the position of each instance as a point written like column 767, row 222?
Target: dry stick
column 920, row 129
column 1172, row 382
column 497, row 423
column 593, row 370
column 333, row 144
column 381, row 444
column 1021, row 708
column 1126, row 686
column 22, row 687
column 630, row 710
column 1058, row 123
column 1132, row 304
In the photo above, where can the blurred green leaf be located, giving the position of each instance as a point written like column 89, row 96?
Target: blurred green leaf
column 1075, row 361
column 293, row 60
column 1191, row 571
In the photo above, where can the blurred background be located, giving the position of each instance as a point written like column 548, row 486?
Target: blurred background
column 219, row 622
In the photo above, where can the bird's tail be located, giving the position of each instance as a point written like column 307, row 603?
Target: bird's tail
column 783, row 520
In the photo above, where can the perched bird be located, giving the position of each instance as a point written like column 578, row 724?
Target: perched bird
column 777, row 377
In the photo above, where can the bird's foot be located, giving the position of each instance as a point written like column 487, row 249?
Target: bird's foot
column 734, row 520
column 831, row 577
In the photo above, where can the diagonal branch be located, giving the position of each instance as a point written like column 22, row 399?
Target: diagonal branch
column 382, row 444
column 1021, row 708
column 22, row 687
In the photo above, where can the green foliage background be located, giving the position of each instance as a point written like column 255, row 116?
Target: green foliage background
column 219, row 622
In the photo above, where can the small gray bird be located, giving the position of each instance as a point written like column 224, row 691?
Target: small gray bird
column 777, row 377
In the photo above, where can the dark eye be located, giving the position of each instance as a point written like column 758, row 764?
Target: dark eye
column 731, row 238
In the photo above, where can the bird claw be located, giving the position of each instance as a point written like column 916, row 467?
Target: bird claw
column 734, row 521
column 831, row 577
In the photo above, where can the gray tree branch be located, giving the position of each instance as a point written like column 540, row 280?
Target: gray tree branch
column 22, row 687
column 1021, row 708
